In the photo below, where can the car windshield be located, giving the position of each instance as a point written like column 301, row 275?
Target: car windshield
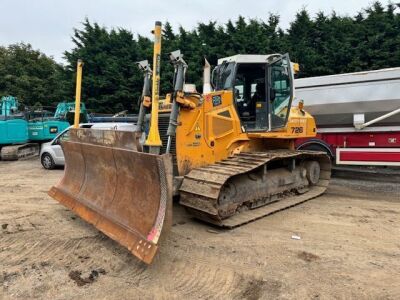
column 64, row 136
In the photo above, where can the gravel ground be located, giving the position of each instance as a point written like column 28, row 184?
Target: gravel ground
column 349, row 247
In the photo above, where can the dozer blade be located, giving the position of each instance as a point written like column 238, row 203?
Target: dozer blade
column 124, row 193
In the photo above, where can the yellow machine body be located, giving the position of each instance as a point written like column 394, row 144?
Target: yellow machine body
column 207, row 134
column 228, row 153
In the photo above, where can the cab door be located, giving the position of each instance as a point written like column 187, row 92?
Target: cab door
column 280, row 91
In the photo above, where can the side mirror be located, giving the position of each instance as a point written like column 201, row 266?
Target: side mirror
column 237, row 94
column 213, row 79
column 272, row 94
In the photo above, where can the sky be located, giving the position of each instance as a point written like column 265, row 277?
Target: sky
column 48, row 24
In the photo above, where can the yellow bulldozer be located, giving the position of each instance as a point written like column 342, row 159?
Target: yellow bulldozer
column 228, row 153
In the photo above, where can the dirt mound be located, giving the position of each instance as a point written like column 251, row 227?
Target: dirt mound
column 307, row 256
column 81, row 281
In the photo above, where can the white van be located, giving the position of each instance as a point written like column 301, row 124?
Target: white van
column 51, row 153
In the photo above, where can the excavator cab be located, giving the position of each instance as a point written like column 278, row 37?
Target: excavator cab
column 262, row 86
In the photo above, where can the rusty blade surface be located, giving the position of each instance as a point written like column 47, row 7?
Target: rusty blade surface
column 125, row 193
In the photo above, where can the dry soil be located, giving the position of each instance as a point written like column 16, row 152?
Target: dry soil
column 349, row 247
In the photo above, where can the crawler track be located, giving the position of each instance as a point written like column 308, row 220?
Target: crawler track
column 19, row 152
column 202, row 188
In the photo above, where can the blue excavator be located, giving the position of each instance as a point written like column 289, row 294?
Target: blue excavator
column 22, row 130
column 43, row 125
column 14, row 137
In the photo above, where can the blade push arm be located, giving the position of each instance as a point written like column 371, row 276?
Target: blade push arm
column 179, row 81
column 145, row 99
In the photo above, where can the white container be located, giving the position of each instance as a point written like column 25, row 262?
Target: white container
column 334, row 100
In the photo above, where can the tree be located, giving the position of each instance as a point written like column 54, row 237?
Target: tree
column 111, row 79
column 323, row 44
column 29, row 75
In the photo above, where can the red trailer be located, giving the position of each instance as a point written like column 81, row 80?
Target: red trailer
column 357, row 115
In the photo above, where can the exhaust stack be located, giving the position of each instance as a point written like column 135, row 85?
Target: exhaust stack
column 207, row 88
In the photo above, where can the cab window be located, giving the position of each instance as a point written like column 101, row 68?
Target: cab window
column 223, row 76
column 282, row 90
column 249, row 89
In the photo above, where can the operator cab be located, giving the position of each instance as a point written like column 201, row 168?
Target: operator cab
column 262, row 86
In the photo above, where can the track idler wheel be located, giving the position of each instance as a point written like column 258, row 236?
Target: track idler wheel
column 313, row 171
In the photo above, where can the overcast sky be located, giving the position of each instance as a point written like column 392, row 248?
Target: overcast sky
column 48, row 24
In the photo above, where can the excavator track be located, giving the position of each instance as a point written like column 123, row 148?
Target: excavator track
column 259, row 184
column 19, row 152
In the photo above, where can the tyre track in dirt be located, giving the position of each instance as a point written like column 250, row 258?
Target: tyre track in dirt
column 218, row 274
column 16, row 249
column 44, row 242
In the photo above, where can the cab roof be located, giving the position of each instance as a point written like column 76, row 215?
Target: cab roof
column 248, row 58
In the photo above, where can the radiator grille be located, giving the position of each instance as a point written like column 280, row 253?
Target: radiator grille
column 163, row 121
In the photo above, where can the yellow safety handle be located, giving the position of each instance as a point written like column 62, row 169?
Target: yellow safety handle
column 153, row 138
column 78, row 93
